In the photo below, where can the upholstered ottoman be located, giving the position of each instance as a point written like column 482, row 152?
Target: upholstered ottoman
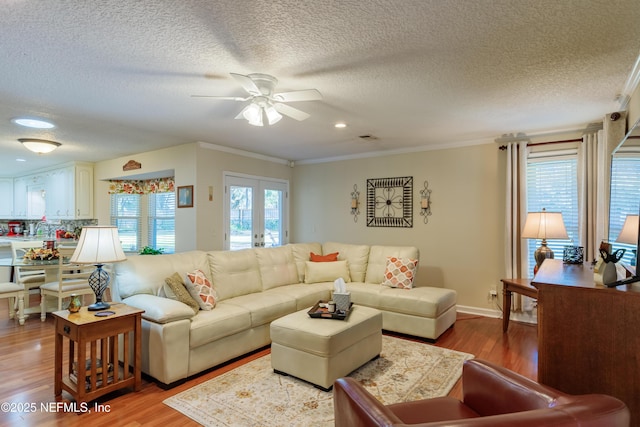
column 322, row 350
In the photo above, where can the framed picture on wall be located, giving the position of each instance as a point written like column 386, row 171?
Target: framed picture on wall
column 185, row 196
column 390, row 202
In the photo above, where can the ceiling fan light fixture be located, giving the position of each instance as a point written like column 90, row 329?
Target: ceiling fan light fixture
column 273, row 116
column 253, row 114
column 39, row 146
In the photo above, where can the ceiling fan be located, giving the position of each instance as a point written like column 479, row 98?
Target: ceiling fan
column 264, row 102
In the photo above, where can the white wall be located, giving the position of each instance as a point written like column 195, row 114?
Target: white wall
column 200, row 227
column 461, row 247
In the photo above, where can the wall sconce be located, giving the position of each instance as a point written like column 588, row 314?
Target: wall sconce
column 425, row 202
column 355, row 203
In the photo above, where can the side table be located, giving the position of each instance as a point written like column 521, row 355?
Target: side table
column 519, row 286
column 94, row 345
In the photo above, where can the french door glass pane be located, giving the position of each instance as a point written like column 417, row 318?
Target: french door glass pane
column 272, row 218
column 240, row 217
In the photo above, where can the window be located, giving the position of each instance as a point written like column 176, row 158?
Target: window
column 126, row 215
column 552, row 183
column 145, row 220
column 161, row 221
column 625, row 198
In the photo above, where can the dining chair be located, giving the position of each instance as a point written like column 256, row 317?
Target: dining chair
column 15, row 295
column 71, row 279
column 27, row 277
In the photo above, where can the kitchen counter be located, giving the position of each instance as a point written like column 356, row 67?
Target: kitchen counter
column 5, row 241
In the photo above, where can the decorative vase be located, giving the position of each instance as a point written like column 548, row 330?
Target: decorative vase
column 75, row 304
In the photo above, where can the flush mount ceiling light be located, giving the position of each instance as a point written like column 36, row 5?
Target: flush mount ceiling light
column 33, row 123
column 40, row 146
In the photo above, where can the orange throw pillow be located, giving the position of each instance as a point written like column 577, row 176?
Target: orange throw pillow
column 323, row 258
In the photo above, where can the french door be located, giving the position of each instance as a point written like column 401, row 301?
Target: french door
column 255, row 212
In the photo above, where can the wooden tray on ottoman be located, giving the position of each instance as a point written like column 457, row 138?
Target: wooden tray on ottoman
column 323, row 312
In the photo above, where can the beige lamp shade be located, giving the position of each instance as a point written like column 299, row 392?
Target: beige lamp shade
column 98, row 245
column 629, row 232
column 544, row 225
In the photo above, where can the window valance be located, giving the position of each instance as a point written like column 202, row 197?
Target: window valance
column 148, row 186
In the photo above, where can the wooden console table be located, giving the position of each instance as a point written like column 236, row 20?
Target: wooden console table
column 519, row 286
column 93, row 368
column 588, row 340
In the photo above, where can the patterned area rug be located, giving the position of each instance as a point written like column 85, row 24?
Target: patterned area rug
column 252, row 395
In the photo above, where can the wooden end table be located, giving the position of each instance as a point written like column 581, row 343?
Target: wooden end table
column 519, row 286
column 93, row 368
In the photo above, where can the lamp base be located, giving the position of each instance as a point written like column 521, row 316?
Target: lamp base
column 98, row 306
column 542, row 253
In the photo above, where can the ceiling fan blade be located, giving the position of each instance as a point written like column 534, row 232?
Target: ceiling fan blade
column 298, row 95
column 289, row 111
column 247, row 83
column 224, row 98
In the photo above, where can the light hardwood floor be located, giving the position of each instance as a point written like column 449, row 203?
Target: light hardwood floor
column 26, row 372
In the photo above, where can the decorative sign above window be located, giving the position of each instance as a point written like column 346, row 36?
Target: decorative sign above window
column 131, row 165
column 390, row 202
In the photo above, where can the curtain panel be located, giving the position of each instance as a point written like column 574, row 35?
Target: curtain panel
column 592, row 172
column 149, row 186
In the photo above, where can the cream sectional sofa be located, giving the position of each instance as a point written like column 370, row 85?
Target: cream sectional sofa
column 255, row 287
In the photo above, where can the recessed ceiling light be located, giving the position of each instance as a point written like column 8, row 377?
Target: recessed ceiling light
column 34, row 123
column 340, row 125
column 20, row 160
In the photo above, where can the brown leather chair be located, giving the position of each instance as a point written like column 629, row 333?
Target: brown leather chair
column 492, row 396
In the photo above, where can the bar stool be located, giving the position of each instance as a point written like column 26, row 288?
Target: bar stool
column 13, row 292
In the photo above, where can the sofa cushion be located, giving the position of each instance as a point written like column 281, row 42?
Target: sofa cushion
column 422, row 301
column 277, row 267
column 145, row 274
column 356, row 255
column 305, row 295
column 378, row 260
column 400, row 272
column 300, row 253
column 226, row 319
column 201, row 289
column 175, row 289
column 265, row 307
column 316, row 272
column 234, row 273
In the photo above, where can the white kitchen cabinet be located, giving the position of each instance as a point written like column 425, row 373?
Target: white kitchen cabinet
column 83, row 185
column 62, row 193
column 19, row 198
column 6, row 195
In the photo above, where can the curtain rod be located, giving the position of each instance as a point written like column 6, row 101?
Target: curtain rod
column 531, row 144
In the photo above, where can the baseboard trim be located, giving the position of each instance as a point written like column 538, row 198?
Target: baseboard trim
column 525, row 317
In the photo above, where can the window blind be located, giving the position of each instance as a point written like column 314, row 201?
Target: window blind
column 625, row 198
column 126, row 215
column 161, row 221
column 552, row 183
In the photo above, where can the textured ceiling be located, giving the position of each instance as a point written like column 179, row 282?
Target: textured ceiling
column 117, row 76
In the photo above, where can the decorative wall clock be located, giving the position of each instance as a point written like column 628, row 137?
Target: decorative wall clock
column 390, row 202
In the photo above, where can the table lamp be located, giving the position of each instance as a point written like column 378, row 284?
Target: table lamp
column 629, row 233
column 544, row 225
column 98, row 245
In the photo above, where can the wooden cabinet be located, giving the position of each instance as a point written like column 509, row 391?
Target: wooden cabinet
column 588, row 339
column 89, row 375
column 6, row 195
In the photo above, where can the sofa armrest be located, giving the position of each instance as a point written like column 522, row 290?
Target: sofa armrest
column 355, row 407
column 158, row 309
column 489, row 389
